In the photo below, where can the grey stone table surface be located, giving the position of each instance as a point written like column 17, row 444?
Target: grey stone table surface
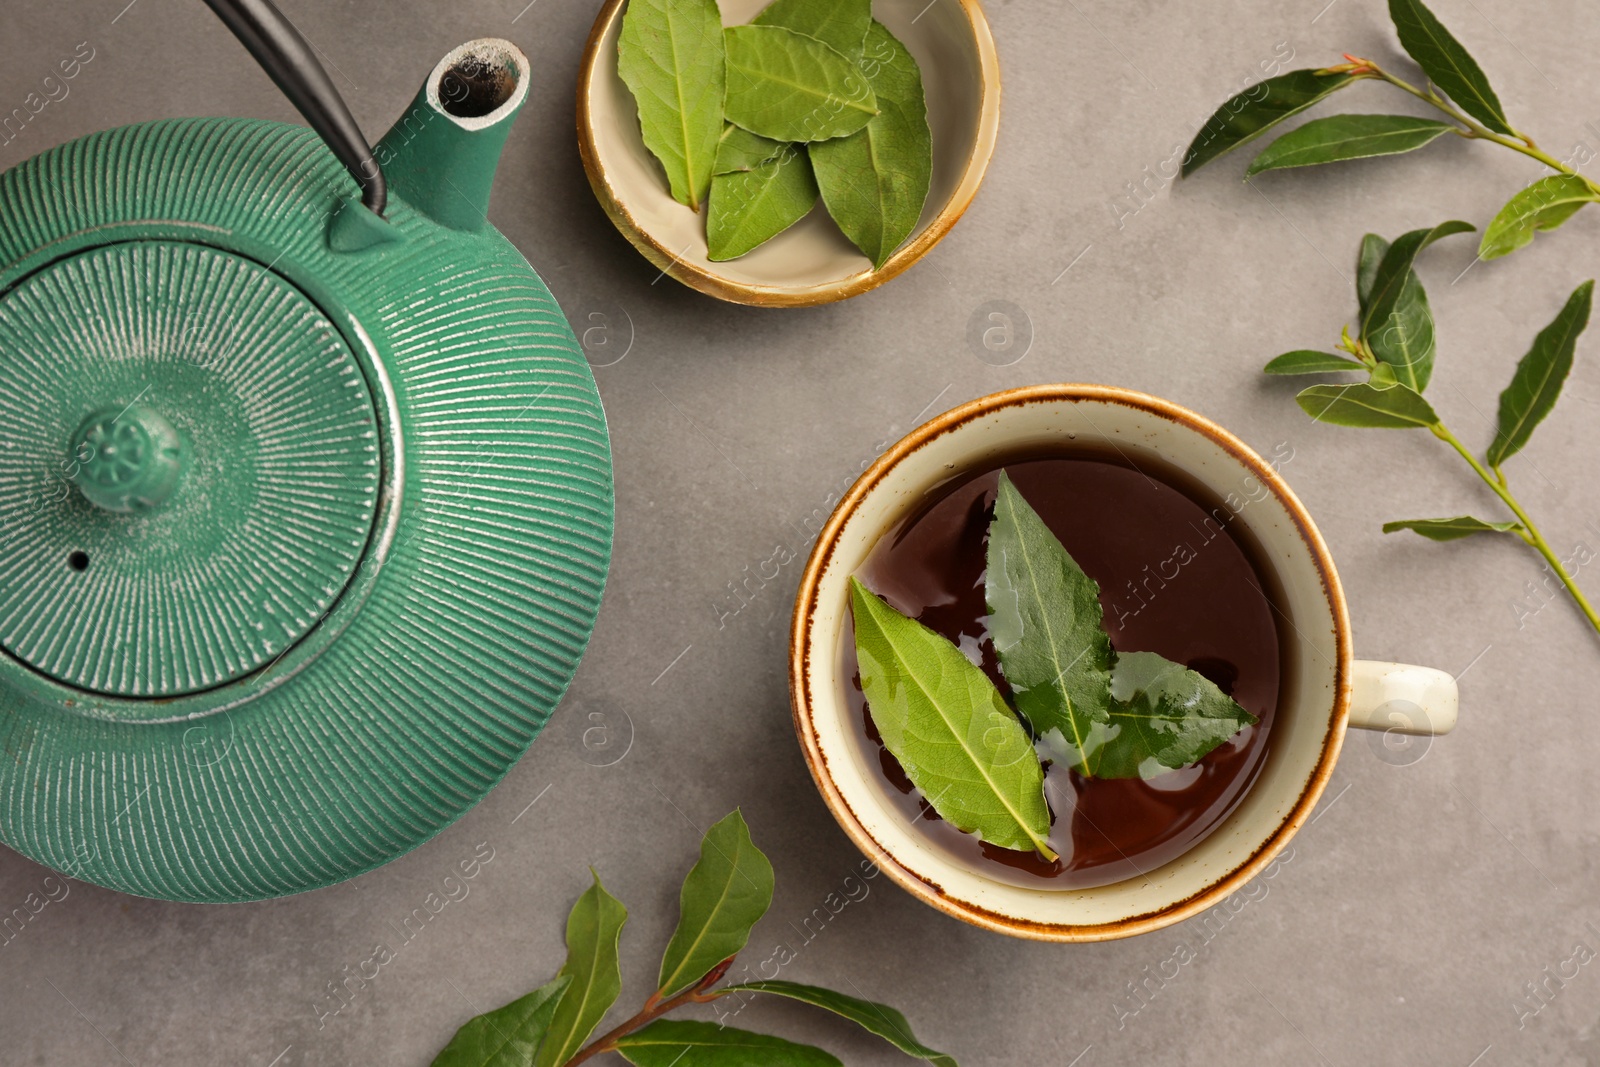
column 1410, row 916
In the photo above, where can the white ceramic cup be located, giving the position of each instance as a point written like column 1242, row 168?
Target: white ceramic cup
column 1323, row 688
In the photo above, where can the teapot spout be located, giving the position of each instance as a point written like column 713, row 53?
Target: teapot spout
column 442, row 154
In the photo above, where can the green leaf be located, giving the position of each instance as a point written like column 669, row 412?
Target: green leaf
column 1536, row 385
column 1397, row 324
column 1383, row 377
column 505, row 1037
column 839, row 24
column 791, row 87
column 1341, row 137
column 1046, row 621
column 1544, row 205
column 1373, row 248
column 593, row 930
column 1166, row 717
column 1308, row 361
column 876, row 180
column 752, row 206
column 1404, row 345
column 1394, row 408
column 739, row 149
column 875, row 1018
column 1446, row 63
column 1254, row 111
column 723, row 896
column 1451, row 529
column 1389, row 279
column 688, row 1043
column 670, row 55
column 945, row 722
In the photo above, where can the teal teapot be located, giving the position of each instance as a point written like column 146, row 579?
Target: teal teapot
column 305, row 486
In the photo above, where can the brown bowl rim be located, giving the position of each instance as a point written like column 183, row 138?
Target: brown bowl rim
column 932, row 893
column 712, row 284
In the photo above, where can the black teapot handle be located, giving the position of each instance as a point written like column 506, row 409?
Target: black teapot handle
column 288, row 60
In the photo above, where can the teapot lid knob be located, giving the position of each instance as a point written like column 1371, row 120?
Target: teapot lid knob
column 127, row 459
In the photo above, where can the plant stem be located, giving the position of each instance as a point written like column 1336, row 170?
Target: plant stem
column 654, row 1008
column 1529, row 532
column 1523, row 143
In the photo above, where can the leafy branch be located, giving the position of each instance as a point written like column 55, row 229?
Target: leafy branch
column 1395, row 351
column 724, row 895
column 1455, row 86
column 1395, row 342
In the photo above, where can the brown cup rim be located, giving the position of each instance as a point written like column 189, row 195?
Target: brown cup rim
column 930, row 892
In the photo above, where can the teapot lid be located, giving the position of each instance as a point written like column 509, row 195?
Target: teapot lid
column 228, row 414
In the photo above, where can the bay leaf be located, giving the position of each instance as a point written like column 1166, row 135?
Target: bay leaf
column 594, row 928
column 1373, row 248
column 670, row 54
column 507, row 1036
column 1409, row 338
column 790, row 87
column 1388, row 277
column 1397, row 324
column 875, row 1018
column 1365, row 405
column 1405, row 343
column 839, row 24
column 1382, row 376
column 727, row 890
column 739, row 149
column 1390, row 274
column 1446, row 63
column 875, row 181
column 940, row 716
column 1452, row 529
column 1341, row 137
column 1544, row 205
column 752, row 206
column 1047, row 626
column 1536, row 385
column 1165, row 717
column 691, row 1043
column 1253, row 111
column 1309, row 361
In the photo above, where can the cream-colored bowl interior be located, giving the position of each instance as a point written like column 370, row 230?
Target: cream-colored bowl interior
column 812, row 261
column 1305, row 736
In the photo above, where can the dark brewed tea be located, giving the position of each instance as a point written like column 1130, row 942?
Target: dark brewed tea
column 1176, row 578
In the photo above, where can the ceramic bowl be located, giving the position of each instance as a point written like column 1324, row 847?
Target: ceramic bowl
column 812, row 262
column 1322, row 689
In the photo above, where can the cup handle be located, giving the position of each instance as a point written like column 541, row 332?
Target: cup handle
column 1402, row 699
